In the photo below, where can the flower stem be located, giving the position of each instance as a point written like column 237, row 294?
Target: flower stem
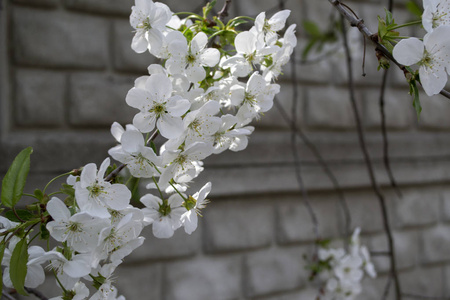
column 57, row 177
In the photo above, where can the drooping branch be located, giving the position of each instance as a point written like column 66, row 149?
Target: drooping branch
column 312, row 147
column 369, row 165
column 386, row 160
column 37, row 293
column 359, row 23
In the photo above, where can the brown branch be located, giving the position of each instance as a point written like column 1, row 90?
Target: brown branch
column 297, row 163
column 223, row 13
column 414, row 296
column 386, row 161
column 359, row 23
column 370, row 170
column 37, row 293
column 324, row 165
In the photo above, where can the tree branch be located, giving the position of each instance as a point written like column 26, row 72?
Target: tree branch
column 359, row 23
column 370, row 170
column 37, row 293
column 223, row 13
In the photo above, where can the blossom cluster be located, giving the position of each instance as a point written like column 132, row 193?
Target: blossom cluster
column 201, row 100
column 344, row 270
column 432, row 53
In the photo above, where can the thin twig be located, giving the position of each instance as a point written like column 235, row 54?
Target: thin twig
column 359, row 23
column 8, row 296
column 312, row 147
column 297, row 163
column 370, row 170
column 414, row 296
column 37, row 293
column 116, row 172
column 223, row 13
column 387, row 288
column 386, row 161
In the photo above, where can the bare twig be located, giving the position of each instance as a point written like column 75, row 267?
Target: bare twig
column 359, row 23
column 386, row 161
column 116, row 172
column 414, row 296
column 223, row 13
column 8, row 296
column 297, row 163
column 324, row 165
column 387, row 288
column 37, row 293
column 370, row 170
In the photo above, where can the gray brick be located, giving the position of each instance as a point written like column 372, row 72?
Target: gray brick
column 203, row 279
column 406, row 248
column 99, row 99
column 48, row 38
column 180, row 245
column 435, row 111
column 416, row 207
column 141, row 281
column 40, row 97
column 125, row 59
column 397, row 107
column 276, row 270
column 238, row 224
column 328, row 107
column 427, row 282
column 308, row 293
column 435, row 243
column 294, row 220
column 122, row 7
column 44, row 3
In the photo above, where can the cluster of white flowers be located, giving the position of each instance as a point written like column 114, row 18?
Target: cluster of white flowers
column 432, row 54
column 345, row 270
column 196, row 101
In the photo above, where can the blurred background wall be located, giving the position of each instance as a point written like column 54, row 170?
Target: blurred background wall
column 66, row 66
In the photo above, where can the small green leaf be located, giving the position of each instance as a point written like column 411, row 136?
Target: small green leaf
column 39, row 194
column 14, row 181
column 24, row 215
column 2, row 251
column 414, row 92
column 18, row 266
column 389, row 18
column 312, row 29
column 414, row 8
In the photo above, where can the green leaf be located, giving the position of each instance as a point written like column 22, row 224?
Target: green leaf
column 2, row 251
column 414, row 91
column 389, row 18
column 14, row 181
column 24, row 215
column 18, row 266
column 39, row 194
column 312, row 29
column 414, row 8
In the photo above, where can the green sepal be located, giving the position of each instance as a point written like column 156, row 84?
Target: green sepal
column 45, row 234
column 18, row 266
column 14, row 181
column 414, row 92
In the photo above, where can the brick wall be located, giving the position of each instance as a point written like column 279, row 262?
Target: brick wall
column 65, row 68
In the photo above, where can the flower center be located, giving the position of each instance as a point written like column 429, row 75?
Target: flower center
column 158, row 109
column 249, row 99
column 164, row 208
column 95, row 190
